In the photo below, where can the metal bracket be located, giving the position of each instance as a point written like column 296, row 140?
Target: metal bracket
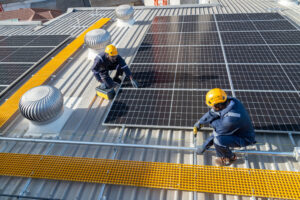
column 297, row 153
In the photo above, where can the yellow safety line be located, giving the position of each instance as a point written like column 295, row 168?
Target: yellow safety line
column 8, row 108
column 224, row 180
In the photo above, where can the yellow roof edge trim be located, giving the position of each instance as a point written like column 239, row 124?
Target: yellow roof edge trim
column 9, row 108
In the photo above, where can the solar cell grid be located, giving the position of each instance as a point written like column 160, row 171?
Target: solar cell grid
column 293, row 72
column 199, row 27
column 156, row 55
column 162, row 39
column 152, row 76
column 4, row 52
column 141, row 107
column 200, row 54
column 198, row 18
column 3, row 37
column 232, row 17
column 236, row 26
column 264, row 16
column 201, row 77
column 272, row 110
column 2, row 88
column 17, row 40
column 26, row 54
column 273, row 25
column 200, row 39
column 287, row 53
column 187, row 108
column 249, row 54
column 241, row 38
column 48, row 40
column 9, row 73
column 259, row 77
column 172, row 27
column 281, row 37
column 167, row 19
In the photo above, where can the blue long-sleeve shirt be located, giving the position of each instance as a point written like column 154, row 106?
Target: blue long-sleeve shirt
column 233, row 120
column 102, row 65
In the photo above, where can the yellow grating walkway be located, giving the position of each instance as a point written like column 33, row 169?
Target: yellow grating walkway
column 8, row 108
column 225, row 180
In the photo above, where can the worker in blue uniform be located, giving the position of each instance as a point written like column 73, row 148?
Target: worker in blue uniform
column 111, row 60
column 232, row 126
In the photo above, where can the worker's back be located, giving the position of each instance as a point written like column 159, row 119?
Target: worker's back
column 234, row 120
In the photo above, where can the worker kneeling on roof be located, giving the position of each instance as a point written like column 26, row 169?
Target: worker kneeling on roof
column 232, row 126
column 110, row 60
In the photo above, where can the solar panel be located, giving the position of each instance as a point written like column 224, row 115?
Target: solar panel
column 281, row 37
column 242, row 38
column 236, row 26
column 198, row 18
column 141, row 107
column 232, row 17
column 287, row 53
column 48, row 40
column 249, row 54
column 167, row 19
column 17, row 40
column 264, row 16
column 9, row 73
column 179, row 62
column 157, row 28
column 199, row 27
column 200, row 39
column 152, row 76
column 273, row 25
column 156, row 55
column 259, row 77
column 201, row 77
column 4, row 52
column 26, row 54
column 2, row 37
column 272, row 110
column 162, row 39
column 2, row 88
column 200, row 54
column 293, row 72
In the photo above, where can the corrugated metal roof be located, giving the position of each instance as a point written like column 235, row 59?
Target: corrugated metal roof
column 76, row 81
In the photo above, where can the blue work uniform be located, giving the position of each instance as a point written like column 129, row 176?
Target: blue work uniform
column 102, row 65
column 232, row 127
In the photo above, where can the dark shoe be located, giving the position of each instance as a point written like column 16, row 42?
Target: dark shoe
column 221, row 161
column 117, row 79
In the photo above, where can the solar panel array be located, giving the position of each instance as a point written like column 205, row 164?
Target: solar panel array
column 18, row 54
column 254, row 57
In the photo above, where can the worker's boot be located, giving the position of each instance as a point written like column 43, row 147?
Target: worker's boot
column 222, row 161
column 117, row 79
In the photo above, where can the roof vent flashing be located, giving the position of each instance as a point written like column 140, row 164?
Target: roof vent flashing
column 124, row 15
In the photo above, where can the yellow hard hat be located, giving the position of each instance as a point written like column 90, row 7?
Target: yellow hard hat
column 111, row 50
column 215, row 96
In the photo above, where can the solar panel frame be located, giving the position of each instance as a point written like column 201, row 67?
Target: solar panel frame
column 287, row 53
column 18, row 40
column 191, row 76
column 48, row 40
column 161, row 39
column 200, row 54
column 28, row 54
column 259, row 77
column 293, row 72
column 273, row 25
column 156, row 54
column 10, row 72
column 265, row 16
column 275, row 111
column 249, row 54
column 232, row 17
column 281, row 37
column 232, row 38
column 200, row 38
column 236, row 26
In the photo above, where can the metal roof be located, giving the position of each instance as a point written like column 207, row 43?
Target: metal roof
column 77, row 83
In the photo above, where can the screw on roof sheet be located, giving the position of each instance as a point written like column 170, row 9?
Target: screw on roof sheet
column 297, row 153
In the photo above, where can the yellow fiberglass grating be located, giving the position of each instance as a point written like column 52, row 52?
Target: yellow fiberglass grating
column 224, row 180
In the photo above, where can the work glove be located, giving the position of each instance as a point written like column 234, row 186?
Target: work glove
column 197, row 127
column 134, row 83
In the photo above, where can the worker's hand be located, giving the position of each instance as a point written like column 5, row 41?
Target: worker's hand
column 195, row 130
column 134, row 83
